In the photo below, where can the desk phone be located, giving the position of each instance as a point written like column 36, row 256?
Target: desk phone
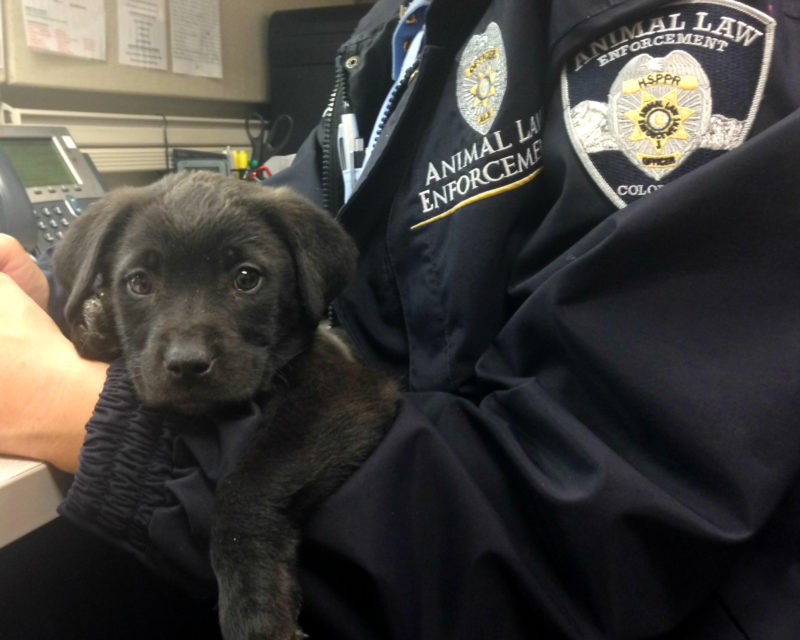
column 45, row 183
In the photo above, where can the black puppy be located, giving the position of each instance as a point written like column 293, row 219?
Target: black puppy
column 212, row 290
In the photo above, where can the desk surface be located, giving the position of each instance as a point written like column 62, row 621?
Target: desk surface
column 30, row 491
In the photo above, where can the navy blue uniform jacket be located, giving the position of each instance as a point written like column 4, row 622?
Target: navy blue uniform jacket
column 580, row 251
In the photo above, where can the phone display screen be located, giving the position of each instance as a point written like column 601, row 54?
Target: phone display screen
column 38, row 161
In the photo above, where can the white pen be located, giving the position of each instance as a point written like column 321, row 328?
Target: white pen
column 351, row 150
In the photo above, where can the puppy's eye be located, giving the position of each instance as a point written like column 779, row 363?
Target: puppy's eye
column 140, row 283
column 247, row 278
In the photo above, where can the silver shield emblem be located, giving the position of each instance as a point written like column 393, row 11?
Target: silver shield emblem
column 659, row 111
column 482, row 79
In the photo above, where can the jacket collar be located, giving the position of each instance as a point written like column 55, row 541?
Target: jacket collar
column 449, row 22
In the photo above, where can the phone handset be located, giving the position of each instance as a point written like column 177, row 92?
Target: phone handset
column 16, row 210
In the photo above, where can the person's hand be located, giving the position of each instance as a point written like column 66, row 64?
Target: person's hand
column 47, row 391
column 20, row 267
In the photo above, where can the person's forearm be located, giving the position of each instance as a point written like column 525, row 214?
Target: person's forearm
column 53, row 429
column 47, row 392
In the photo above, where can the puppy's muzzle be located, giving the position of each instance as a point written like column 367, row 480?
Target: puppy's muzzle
column 188, row 359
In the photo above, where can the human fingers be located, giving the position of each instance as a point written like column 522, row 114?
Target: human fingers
column 16, row 263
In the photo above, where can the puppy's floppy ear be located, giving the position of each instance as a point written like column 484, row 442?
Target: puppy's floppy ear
column 82, row 260
column 324, row 254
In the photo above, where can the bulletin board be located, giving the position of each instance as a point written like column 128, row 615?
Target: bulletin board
column 242, row 54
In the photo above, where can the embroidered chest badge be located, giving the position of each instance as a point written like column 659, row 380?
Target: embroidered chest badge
column 482, row 79
column 655, row 99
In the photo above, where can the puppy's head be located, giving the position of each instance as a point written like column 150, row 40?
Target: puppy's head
column 206, row 285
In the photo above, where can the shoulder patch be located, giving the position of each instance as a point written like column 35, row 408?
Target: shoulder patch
column 655, row 99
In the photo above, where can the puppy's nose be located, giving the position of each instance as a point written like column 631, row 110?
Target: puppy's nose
column 187, row 361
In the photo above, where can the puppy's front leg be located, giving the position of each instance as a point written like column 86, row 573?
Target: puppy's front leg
column 253, row 551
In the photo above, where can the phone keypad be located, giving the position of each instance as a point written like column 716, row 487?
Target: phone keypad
column 54, row 218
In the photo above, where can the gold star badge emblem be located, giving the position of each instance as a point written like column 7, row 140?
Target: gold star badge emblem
column 484, row 87
column 659, row 120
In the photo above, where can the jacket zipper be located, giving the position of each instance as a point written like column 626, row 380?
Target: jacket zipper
column 338, row 103
column 394, row 96
column 331, row 175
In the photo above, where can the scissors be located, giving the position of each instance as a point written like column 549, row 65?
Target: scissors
column 263, row 136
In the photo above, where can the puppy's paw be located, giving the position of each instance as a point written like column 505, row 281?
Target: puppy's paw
column 257, row 628
column 258, row 597
column 248, row 627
